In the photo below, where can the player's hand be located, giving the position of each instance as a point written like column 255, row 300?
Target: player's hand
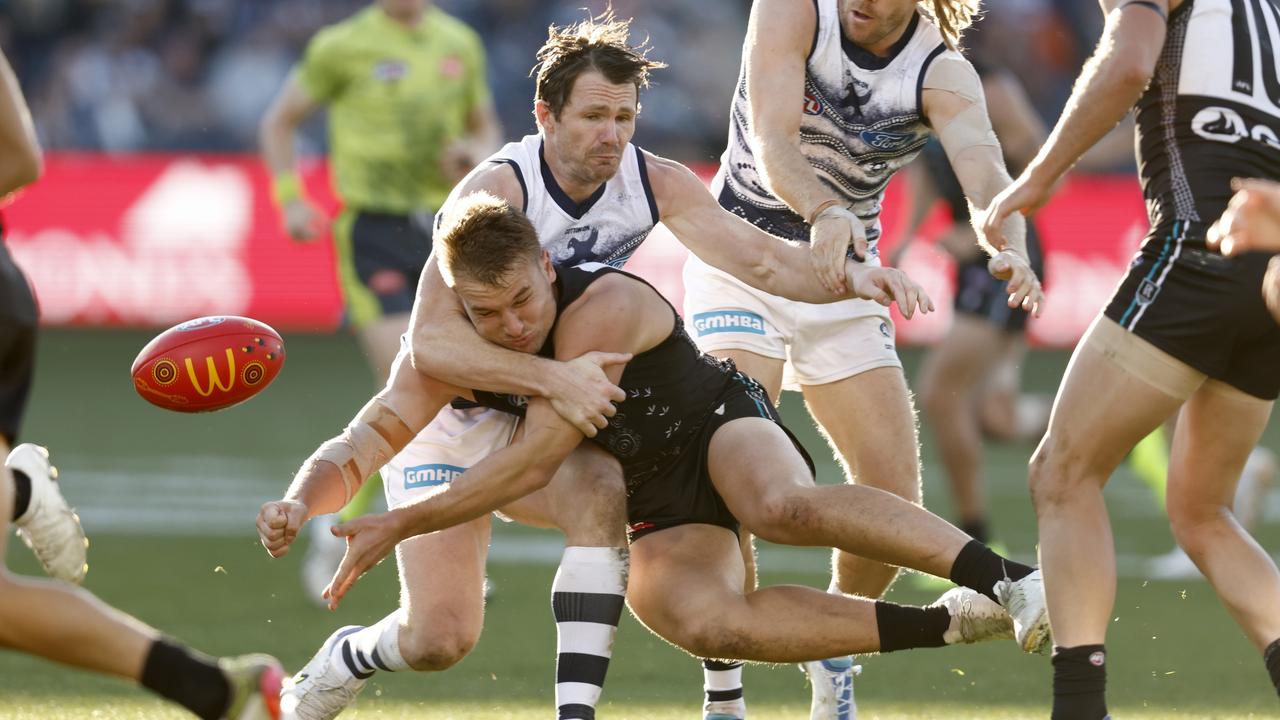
column 370, row 539
column 1271, row 287
column 581, row 392
column 1251, row 221
column 278, row 524
column 303, row 220
column 889, row 285
column 832, row 232
column 1025, row 195
column 1023, row 285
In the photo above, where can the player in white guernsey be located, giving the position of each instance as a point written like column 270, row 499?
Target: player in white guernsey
column 834, row 97
column 592, row 196
column 1186, row 332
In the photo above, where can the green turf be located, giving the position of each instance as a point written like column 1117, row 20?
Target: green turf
column 1174, row 651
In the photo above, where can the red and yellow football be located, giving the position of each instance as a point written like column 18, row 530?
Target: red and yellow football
column 209, row 363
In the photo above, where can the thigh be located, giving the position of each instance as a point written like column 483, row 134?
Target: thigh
column 971, row 351
column 703, row 562
column 870, row 420
column 1117, row 389
column 442, row 577
column 587, row 489
column 753, row 461
column 1217, row 429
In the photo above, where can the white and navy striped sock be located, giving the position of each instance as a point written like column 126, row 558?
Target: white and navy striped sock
column 374, row 648
column 722, row 681
column 586, row 598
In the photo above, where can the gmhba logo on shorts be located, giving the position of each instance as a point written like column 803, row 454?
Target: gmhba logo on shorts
column 728, row 321
column 431, row 475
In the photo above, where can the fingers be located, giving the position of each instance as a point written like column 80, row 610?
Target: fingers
column 820, row 255
column 904, row 297
column 606, row 359
column 274, row 529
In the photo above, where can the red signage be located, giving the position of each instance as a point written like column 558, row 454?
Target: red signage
column 153, row 240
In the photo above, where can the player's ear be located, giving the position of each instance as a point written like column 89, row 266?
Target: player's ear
column 542, row 113
column 547, row 267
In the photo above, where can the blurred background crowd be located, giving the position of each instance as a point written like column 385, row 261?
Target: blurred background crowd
column 164, row 75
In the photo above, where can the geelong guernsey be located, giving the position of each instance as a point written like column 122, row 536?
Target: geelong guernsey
column 861, row 121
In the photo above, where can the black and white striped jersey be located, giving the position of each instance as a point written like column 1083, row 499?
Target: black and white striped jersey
column 861, row 121
column 1212, row 111
column 606, row 227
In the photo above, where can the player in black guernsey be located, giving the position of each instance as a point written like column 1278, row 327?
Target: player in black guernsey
column 702, row 449
column 1186, row 331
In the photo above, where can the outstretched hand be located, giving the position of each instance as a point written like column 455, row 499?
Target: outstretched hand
column 887, row 286
column 370, row 539
column 1024, row 195
column 1024, row 287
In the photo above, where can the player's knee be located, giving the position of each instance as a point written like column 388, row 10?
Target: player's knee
column 1194, row 525
column 778, row 517
column 440, row 649
column 598, row 514
column 1053, row 480
column 704, row 635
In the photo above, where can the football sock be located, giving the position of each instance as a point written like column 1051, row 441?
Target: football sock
column 376, row 647
column 1271, row 656
column 980, row 568
column 722, row 681
column 977, row 529
column 586, row 598
column 903, row 627
column 1080, row 683
column 21, row 494
column 189, row 678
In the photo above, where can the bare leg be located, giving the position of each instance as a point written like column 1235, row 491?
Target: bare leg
column 952, row 382
column 1217, row 429
column 869, row 421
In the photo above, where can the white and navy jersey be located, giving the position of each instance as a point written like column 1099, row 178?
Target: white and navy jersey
column 1211, row 113
column 606, row 228
column 861, row 121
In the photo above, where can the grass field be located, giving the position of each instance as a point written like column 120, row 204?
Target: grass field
column 169, row 501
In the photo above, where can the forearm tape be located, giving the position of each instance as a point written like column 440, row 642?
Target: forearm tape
column 372, row 439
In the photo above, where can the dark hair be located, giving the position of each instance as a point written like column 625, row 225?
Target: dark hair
column 598, row 43
column 484, row 239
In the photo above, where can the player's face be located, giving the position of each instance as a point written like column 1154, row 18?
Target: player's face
column 404, row 8
column 517, row 315
column 593, row 129
column 875, row 24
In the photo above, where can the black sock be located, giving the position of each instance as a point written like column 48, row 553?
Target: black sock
column 1080, row 683
column 977, row 529
column 189, row 678
column 979, row 568
column 903, row 627
column 21, row 493
column 1271, row 656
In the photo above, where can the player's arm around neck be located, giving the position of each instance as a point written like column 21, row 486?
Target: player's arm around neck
column 445, row 345
column 20, row 158
column 1112, row 80
column 615, row 315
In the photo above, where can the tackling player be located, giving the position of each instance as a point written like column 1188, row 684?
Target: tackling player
column 1186, row 330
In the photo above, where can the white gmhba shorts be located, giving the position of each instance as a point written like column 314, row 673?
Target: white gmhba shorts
column 820, row 343
column 453, row 442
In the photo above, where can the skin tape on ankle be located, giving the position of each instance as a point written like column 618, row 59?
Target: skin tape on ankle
column 366, row 444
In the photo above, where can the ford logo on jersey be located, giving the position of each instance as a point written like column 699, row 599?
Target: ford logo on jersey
column 728, row 321
column 430, row 475
column 881, row 140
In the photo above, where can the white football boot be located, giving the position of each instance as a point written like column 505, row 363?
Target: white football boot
column 974, row 617
column 49, row 526
column 832, row 684
column 325, row 686
column 1025, row 603
column 324, row 555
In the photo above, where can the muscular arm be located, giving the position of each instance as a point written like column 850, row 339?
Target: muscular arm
column 20, row 158
column 720, row 238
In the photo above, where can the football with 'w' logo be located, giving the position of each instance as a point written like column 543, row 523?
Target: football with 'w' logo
column 207, row 364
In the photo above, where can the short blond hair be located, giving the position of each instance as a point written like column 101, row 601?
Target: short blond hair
column 483, row 240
